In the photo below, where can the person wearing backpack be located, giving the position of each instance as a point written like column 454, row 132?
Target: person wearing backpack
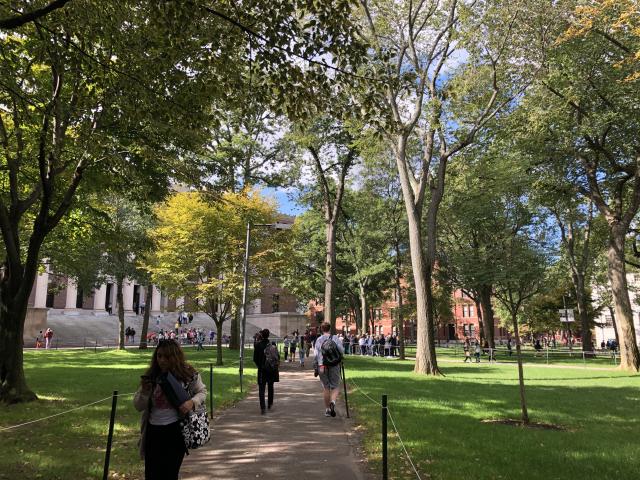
column 267, row 359
column 329, row 353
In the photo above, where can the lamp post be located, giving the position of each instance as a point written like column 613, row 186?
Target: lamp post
column 245, row 287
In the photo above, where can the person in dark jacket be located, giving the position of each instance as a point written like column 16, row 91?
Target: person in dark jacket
column 265, row 378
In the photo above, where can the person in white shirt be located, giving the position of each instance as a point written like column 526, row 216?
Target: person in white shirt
column 329, row 371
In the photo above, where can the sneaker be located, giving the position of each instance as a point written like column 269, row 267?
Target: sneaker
column 263, row 411
column 327, row 413
column 332, row 409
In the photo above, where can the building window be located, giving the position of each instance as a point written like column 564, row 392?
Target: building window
column 471, row 310
column 608, row 320
column 464, row 311
column 465, row 330
column 378, row 314
column 275, row 303
column 471, row 330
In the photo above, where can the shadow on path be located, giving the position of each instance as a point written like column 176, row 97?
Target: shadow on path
column 293, row 440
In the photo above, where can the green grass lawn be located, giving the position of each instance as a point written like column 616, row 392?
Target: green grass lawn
column 72, row 446
column 559, row 356
column 440, row 421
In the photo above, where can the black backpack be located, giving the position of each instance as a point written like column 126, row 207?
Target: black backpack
column 331, row 356
column 271, row 358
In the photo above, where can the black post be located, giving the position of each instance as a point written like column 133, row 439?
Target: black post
column 95, row 346
column 112, row 420
column 384, row 438
column 344, row 383
column 211, row 390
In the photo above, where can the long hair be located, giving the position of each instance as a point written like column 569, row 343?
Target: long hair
column 178, row 366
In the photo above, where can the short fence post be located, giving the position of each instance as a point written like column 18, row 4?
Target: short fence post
column 211, row 390
column 584, row 360
column 547, row 354
column 385, row 472
column 344, row 383
column 95, row 346
column 84, row 343
column 107, row 455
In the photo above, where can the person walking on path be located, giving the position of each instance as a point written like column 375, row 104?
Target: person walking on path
column 48, row 335
column 267, row 359
column 467, row 353
column 329, row 353
column 301, row 352
column 477, row 352
column 286, row 342
column 292, row 348
column 161, row 442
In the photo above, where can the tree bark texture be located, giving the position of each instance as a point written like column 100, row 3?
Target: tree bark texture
column 488, row 318
column 364, row 308
column 148, row 298
column 629, row 354
column 219, row 361
column 400, row 315
column 120, row 301
column 13, row 310
column 234, row 335
column 523, row 399
column 330, row 275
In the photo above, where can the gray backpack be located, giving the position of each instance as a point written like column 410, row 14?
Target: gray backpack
column 271, row 358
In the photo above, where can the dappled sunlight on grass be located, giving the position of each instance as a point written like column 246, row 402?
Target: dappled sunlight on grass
column 71, row 446
column 440, row 420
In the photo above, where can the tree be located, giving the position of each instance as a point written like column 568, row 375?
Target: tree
column 198, row 245
column 430, row 103
column 89, row 105
column 520, row 271
column 331, row 155
column 587, row 112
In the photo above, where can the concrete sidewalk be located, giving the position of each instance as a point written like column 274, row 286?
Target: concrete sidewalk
column 292, row 440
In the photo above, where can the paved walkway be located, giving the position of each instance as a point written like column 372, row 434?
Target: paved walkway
column 293, row 440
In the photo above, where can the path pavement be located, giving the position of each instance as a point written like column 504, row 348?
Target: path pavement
column 293, row 440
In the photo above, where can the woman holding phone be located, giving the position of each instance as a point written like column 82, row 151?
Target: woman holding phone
column 161, row 443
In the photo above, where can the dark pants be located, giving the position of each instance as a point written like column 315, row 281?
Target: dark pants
column 263, row 382
column 164, row 451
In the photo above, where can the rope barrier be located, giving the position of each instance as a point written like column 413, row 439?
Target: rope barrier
column 402, row 443
column 2, row 429
column 393, row 423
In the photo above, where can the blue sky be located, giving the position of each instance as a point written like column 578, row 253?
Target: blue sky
column 285, row 204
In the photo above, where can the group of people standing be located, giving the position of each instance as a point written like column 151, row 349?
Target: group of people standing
column 377, row 346
column 296, row 343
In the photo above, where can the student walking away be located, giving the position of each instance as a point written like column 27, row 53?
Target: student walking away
column 467, row 353
column 267, row 359
column 163, row 403
column 286, row 344
column 329, row 353
column 133, row 335
column 477, row 352
column 301, row 351
column 292, row 348
column 509, row 351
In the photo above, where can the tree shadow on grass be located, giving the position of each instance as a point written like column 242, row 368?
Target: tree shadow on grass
column 441, row 422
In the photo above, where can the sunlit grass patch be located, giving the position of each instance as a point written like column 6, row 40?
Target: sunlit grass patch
column 71, row 446
column 441, row 419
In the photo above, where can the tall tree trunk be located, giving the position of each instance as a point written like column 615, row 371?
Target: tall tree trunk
column 488, row 318
column 523, row 399
column 234, row 334
column 400, row 315
column 425, row 347
column 219, row 341
column 13, row 311
column 363, row 307
column 583, row 314
column 613, row 322
column 629, row 354
column 120, row 300
column 148, row 298
column 330, row 275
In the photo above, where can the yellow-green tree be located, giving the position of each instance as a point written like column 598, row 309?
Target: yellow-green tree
column 199, row 244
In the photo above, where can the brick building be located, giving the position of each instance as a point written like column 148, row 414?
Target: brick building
column 464, row 324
